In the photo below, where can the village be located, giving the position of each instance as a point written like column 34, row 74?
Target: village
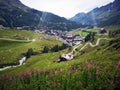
column 70, row 38
column 67, row 37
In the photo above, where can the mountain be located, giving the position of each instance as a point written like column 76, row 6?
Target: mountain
column 103, row 16
column 14, row 14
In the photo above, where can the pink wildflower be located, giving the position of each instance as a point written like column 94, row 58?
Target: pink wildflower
column 10, row 77
column 88, row 64
column 29, row 73
column 97, row 72
column 44, row 70
column 3, row 77
column 118, row 64
column 38, row 71
column 55, row 83
column 68, row 72
column 61, row 70
column 50, row 72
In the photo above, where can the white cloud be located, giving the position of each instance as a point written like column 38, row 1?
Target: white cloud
column 65, row 8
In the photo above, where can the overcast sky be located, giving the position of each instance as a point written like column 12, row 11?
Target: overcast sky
column 65, row 8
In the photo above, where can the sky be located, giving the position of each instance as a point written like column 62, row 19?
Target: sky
column 65, row 8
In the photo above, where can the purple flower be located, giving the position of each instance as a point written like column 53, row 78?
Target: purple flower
column 61, row 70
column 50, row 72
column 88, row 65
column 38, row 71
column 10, row 77
column 44, row 70
column 30, row 73
column 3, row 77
column 55, row 83
column 69, row 72
column 118, row 64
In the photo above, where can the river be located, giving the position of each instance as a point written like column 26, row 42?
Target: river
column 21, row 62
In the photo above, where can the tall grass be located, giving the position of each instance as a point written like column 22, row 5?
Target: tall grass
column 78, row 77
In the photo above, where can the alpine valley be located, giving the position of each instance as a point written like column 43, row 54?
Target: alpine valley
column 43, row 51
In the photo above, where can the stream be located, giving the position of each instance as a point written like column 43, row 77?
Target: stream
column 21, row 62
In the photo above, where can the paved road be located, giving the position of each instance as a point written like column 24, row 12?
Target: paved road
column 97, row 43
column 75, row 47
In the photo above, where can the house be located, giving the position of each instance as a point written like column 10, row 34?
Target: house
column 19, row 28
column 102, row 31
column 78, row 39
column 66, row 57
column 83, row 30
column 2, row 27
column 26, row 27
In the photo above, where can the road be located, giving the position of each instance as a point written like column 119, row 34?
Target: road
column 89, row 43
column 18, row 40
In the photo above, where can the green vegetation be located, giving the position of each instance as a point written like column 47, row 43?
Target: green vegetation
column 78, row 77
column 86, row 32
column 19, row 34
column 19, row 15
column 114, row 31
column 92, row 30
column 93, row 68
column 12, row 51
column 78, row 31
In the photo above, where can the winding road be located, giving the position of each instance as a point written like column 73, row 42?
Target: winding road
column 89, row 43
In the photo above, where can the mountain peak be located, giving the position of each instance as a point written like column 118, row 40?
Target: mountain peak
column 105, row 15
column 15, row 14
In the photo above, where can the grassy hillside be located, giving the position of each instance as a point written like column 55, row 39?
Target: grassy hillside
column 86, row 32
column 12, row 50
column 78, row 31
column 92, row 68
column 19, row 34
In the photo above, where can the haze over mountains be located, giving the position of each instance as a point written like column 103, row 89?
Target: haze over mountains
column 14, row 14
column 103, row 16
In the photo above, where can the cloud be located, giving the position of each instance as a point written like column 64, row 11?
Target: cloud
column 65, row 8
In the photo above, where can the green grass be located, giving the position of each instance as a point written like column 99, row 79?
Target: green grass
column 93, row 30
column 78, row 31
column 96, row 68
column 12, row 50
column 85, row 33
column 115, row 27
column 19, row 34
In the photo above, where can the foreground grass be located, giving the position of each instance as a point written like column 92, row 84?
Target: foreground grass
column 78, row 77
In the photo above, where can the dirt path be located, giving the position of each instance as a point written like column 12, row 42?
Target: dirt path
column 18, row 40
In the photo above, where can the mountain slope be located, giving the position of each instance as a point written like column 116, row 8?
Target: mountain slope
column 14, row 14
column 103, row 16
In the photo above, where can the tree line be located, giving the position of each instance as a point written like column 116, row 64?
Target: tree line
column 55, row 48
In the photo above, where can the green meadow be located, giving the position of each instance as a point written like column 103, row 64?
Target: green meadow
column 93, row 68
column 78, row 31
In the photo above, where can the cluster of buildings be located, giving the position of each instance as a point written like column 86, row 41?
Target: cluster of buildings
column 73, row 39
column 66, row 37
